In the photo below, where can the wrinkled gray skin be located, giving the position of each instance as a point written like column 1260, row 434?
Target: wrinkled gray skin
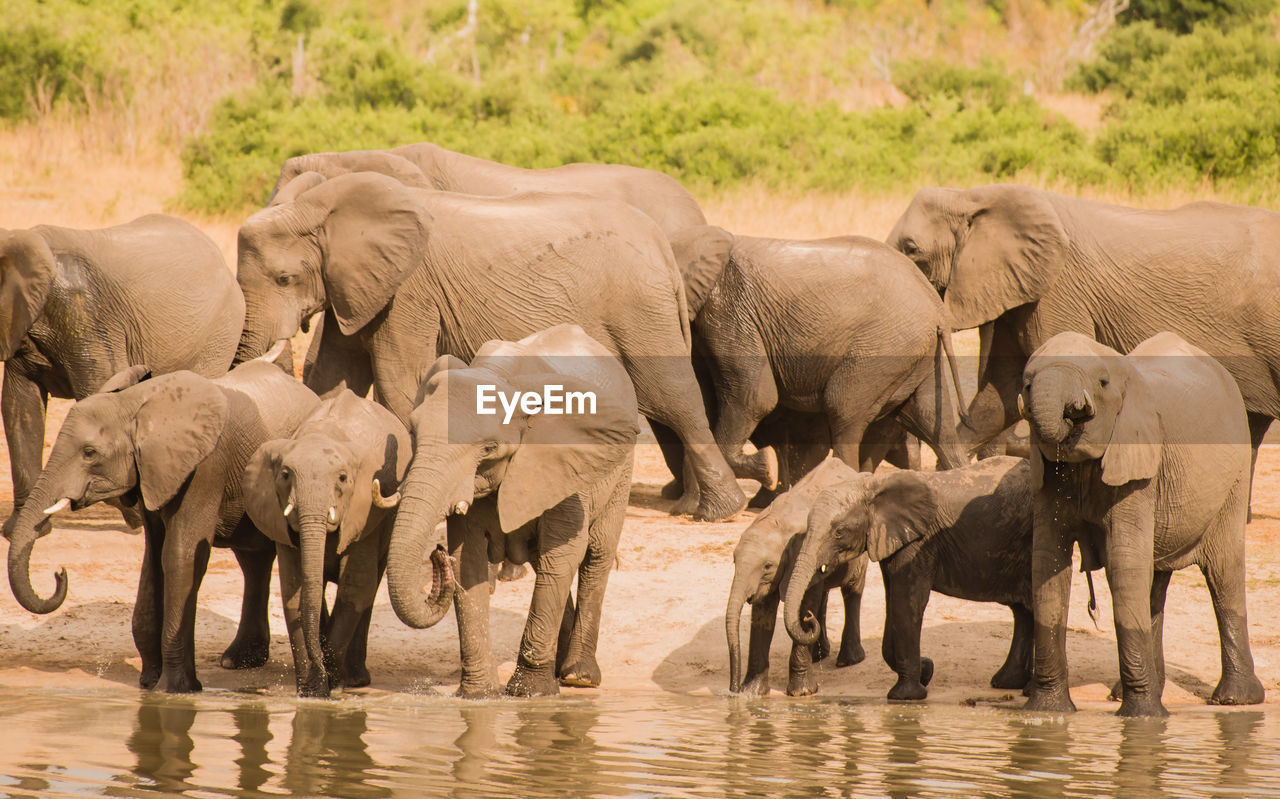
column 408, row 274
column 78, row 306
column 549, row 489
column 1144, row 462
column 802, row 325
column 762, row 564
column 1023, row 264
column 337, row 479
column 965, row 533
column 175, row 445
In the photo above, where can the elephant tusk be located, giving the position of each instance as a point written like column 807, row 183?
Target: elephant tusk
column 288, row 509
column 461, row 508
column 60, row 505
column 333, row 515
column 1088, row 403
column 1022, row 406
column 274, row 352
column 381, row 501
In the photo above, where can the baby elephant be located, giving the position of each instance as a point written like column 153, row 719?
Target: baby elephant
column 319, row 496
column 965, row 533
column 762, row 564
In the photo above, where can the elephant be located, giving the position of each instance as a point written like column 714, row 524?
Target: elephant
column 1023, row 264
column 428, row 166
column 800, row 325
column 174, row 446
column 407, row 275
column 81, row 305
column 762, row 563
column 544, row 487
column 319, row 496
column 965, row 533
column 1143, row 461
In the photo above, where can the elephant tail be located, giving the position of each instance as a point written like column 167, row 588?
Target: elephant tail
column 944, row 339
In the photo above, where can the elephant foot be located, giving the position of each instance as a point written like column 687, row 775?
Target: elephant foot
column 1141, row 705
column 757, row 685
column 768, row 459
column 149, row 677
column 315, row 685
column 926, row 671
column 585, row 673
column 686, row 505
column 246, row 652
column 355, row 677
column 821, row 648
column 720, row 502
column 478, row 691
column 1117, row 691
column 804, row 683
column 1238, row 689
column 1011, row 676
column 180, row 682
column 851, row 653
column 908, row 689
column 1049, row 701
column 763, row 498
column 673, row 489
column 528, row 681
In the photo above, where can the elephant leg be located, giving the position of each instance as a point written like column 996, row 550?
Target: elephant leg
column 673, row 455
column 358, row 578
column 747, row 399
column 252, row 643
column 562, row 545
column 1016, row 670
column 22, row 406
column 1050, row 595
column 764, row 619
column 994, row 407
column 927, row 414
column 883, row 440
column 1258, row 425
column 582, row 669
column 851, row 650
column 1224, row 572
column 148, row 609
column 906, row 596
column 309, row 678
column 355, row 669
column 336, row 361
column 853, row 399
column 904, row 453
column 184, row 559
column 1130, row 575
column 822, row 646
column 567, row 622
column 801, row 679
column 468, row 548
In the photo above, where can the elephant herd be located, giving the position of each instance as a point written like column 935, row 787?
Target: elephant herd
column 1143, row 348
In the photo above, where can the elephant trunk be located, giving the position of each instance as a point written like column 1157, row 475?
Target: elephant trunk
column 312, row 534
column 1058, row 400
column 733, row 626
column 31, row 524
column 429, row 491
column 803, row 631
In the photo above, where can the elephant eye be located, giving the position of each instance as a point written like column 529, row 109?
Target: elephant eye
column 1104, row 382
column 489, row 448
column 283, row 280
column 909, row 247
column 284, row 474
column 89, row 452
column 342, row 477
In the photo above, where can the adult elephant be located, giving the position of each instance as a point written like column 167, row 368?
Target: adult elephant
column 1023, row 265
column 78, row 306
column 406, row 275
column 802, row 325
column 424, row 165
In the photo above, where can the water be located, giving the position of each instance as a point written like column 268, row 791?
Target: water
column 220, row 744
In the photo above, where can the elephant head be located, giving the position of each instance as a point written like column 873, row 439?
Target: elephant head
column 1085, row 401
column 531, row 461
column 875, row 514
column 26, row 275
column 330, row 165
column 767, row 547
column 702, row 252
column 345, row 243
column 986, row 250
column 138, row 437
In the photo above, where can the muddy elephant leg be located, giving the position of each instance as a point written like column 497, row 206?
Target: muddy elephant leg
column 468, row 548
column 764, row 619
column 1130, row 576
column 252, row 643
column 309, row 678
column 358, row 578
column 335, row 361
column 148, row 609
column 906, row 596
column 1050, row 598
column 185, row 558
column 851, row 650
column 1225, row 575
column 22, row 406
column 801, row 679
column 1016, row 670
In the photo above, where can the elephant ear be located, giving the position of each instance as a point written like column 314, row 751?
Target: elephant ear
column 125, row 378
column 375, row 235
column 26, row 275
column 702, row 252
column 177, row 427
column 903, row 509
column 261, row 503
column 1134, row 451
column 560, row 455
column 305, row 181
column 1010, row 255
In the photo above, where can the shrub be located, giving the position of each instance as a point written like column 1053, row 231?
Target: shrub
column 1182, row 16
column 36, row 63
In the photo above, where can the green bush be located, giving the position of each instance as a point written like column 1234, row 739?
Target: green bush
column 1182, row 16
column 39, row 65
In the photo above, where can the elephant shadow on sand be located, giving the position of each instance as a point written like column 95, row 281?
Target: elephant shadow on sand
column 965, row 653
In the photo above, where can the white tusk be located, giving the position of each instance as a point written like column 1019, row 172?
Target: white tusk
column 381, row 501
column 333, row 515
column 273, row 353
column 60, row 505
column 1022, row 406
column 1088, row 402
column 288, row 509
column 461, row 508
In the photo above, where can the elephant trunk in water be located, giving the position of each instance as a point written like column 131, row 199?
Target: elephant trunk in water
column 28, row 527
column 1058, row 400
column 743, row 584
column 438, row 481
column 312, row 533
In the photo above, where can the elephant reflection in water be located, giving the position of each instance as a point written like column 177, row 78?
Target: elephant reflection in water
column 328, row 756
column 162, row 742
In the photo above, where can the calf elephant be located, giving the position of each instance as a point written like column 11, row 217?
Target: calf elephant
column 174, row 445
column 409, row 274
column 318, row 495
column 514, row 486
column 762, row 568
column 78, row 306
column 803, row 325
column 1144, row 462
column 1025, row 264
column 964, row 533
